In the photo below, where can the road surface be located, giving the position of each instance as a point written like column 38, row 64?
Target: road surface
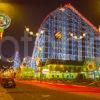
column 31, row 92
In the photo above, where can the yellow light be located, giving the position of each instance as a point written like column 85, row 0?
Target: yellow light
column 7, row 8
column 58, row 35
column 99, row 68
column 39, row 48
column 37, row 34
column 71, row 34
column 84, row 34
column 27, row 29
column 31, row 33
column 75, row 37
column 80, row 37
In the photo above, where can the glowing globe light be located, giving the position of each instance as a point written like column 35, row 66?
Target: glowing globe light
column 5, row 22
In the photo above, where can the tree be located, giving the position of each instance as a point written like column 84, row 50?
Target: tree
column 17, row 61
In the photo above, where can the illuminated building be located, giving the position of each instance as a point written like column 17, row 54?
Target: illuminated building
column 65, row 35
column 17, row 61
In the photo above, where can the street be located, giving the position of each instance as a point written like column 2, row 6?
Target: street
column 31, row 92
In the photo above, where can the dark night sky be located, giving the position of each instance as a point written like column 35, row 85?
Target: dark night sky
column 32, row 13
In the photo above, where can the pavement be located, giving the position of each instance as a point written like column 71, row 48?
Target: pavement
column 4, row 94
column 25, row 91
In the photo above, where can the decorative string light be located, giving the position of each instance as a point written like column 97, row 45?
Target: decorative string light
column 76, row 36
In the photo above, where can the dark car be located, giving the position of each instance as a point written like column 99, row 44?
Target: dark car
column 8, row 82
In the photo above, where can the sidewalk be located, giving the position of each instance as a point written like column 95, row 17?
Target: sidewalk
column 4, row 95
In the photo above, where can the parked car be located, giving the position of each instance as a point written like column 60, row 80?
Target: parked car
column 8, row 82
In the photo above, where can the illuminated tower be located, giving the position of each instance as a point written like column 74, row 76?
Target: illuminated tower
column 66, row 35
